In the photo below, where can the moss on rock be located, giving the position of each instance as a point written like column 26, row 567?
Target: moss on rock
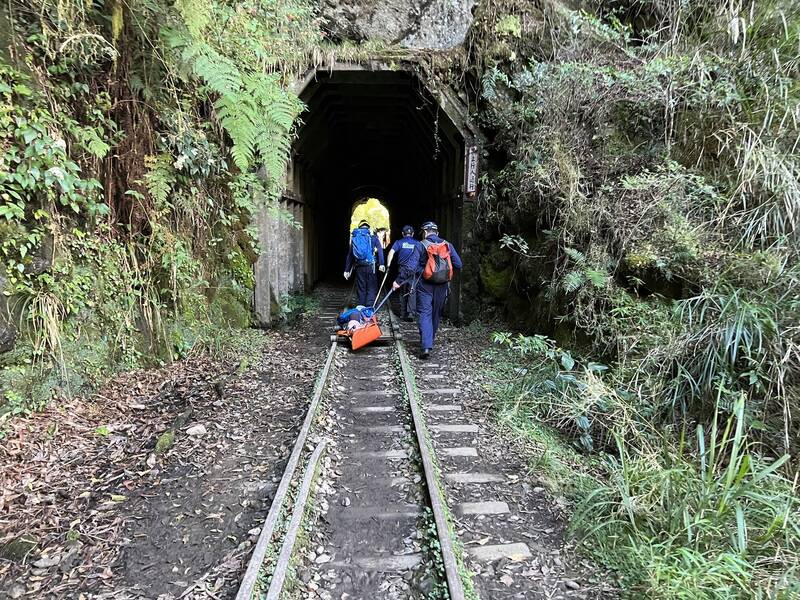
column 496, row 273
column 233, row 307
column 496, row 283
column 165, row 442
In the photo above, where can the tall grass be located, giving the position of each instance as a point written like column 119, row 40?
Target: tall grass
column 669, row 168
column 46, row 314
column 735, row 340
column 570, row 397
column 728, row 333
column 683, row 511
column 705, row 520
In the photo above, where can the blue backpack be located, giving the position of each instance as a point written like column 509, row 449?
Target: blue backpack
column 361, row 240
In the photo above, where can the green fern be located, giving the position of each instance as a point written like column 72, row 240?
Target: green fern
column 597, row 278
column 217, row 71
column 254, row 108
column 160, row 178
column 573, row 281
column 576, row 256
column 92, row 141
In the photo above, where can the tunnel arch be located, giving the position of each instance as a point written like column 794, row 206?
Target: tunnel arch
column 367, row 131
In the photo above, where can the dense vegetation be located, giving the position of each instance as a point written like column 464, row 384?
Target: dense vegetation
column 137, row 142
column 645, row 182
column 640, row 208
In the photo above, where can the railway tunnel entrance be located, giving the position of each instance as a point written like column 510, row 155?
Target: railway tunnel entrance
column 366, row 133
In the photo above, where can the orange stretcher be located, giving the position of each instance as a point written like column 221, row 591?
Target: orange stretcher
column 367, row 334
column 363, row 335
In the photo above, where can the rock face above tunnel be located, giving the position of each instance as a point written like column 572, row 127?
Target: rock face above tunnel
column 422, row 24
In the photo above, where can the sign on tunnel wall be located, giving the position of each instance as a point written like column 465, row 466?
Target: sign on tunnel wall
column 471, row 171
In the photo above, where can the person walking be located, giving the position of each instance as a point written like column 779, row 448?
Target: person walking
column 365, row 252
column 383, row 237
column 436, row 267
column 408, row 251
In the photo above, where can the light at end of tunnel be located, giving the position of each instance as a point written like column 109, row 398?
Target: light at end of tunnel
column 372, row 211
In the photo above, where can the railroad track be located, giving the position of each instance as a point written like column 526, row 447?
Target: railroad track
column 386, row 532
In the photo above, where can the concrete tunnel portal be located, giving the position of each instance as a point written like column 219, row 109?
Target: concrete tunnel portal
column 365, row 133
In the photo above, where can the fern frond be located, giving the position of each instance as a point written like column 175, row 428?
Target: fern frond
column 159, row 178
column 174, row 38
column 573, row 281
column 93, row 142
column 240, row 119
column 597, row 278
column 217, row 72
column 254, row 108
column 577, row 257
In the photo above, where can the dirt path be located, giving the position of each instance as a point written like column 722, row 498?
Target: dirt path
column 511, row 527
column 90, row 507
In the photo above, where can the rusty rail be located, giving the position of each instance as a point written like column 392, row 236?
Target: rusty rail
column 259, row 552
column 435, row 496
column 454, row 584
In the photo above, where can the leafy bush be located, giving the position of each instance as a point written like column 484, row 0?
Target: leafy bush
column 569, row 396
column 137, row 143
column 660, row 185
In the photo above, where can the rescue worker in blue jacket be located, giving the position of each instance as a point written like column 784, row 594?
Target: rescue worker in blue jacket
column 408, row 252
column 431, row 296
column 366, row 280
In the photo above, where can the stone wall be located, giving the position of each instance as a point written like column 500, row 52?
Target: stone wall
column 421, row 24
column 280, row 263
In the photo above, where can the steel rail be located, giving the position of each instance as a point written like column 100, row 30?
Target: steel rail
column 437, row 502
column 454, row 583
column 259, row 552
column 285, row 557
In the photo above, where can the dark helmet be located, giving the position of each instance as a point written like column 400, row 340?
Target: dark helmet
column 430, row 226
column 408, row 230
column 364, row 223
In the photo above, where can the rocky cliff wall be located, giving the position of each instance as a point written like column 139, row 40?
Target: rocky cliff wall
column 421, row 24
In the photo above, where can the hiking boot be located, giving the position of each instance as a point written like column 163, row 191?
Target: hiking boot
column 425, row 354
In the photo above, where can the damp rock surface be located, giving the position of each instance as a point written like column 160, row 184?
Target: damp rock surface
column 8, row 333
column 422, row 24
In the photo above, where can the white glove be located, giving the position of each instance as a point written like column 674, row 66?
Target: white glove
column 381, row 268
column 347, row 275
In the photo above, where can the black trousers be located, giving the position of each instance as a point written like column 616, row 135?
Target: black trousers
column 408, row 294
column 366, row 284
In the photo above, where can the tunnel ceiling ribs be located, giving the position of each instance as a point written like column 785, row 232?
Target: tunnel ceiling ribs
column 357, row 118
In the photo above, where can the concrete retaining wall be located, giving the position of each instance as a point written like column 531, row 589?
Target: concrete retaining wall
column 281, row 260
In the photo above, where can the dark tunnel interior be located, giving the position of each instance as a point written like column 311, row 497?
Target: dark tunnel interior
column 372, row 134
